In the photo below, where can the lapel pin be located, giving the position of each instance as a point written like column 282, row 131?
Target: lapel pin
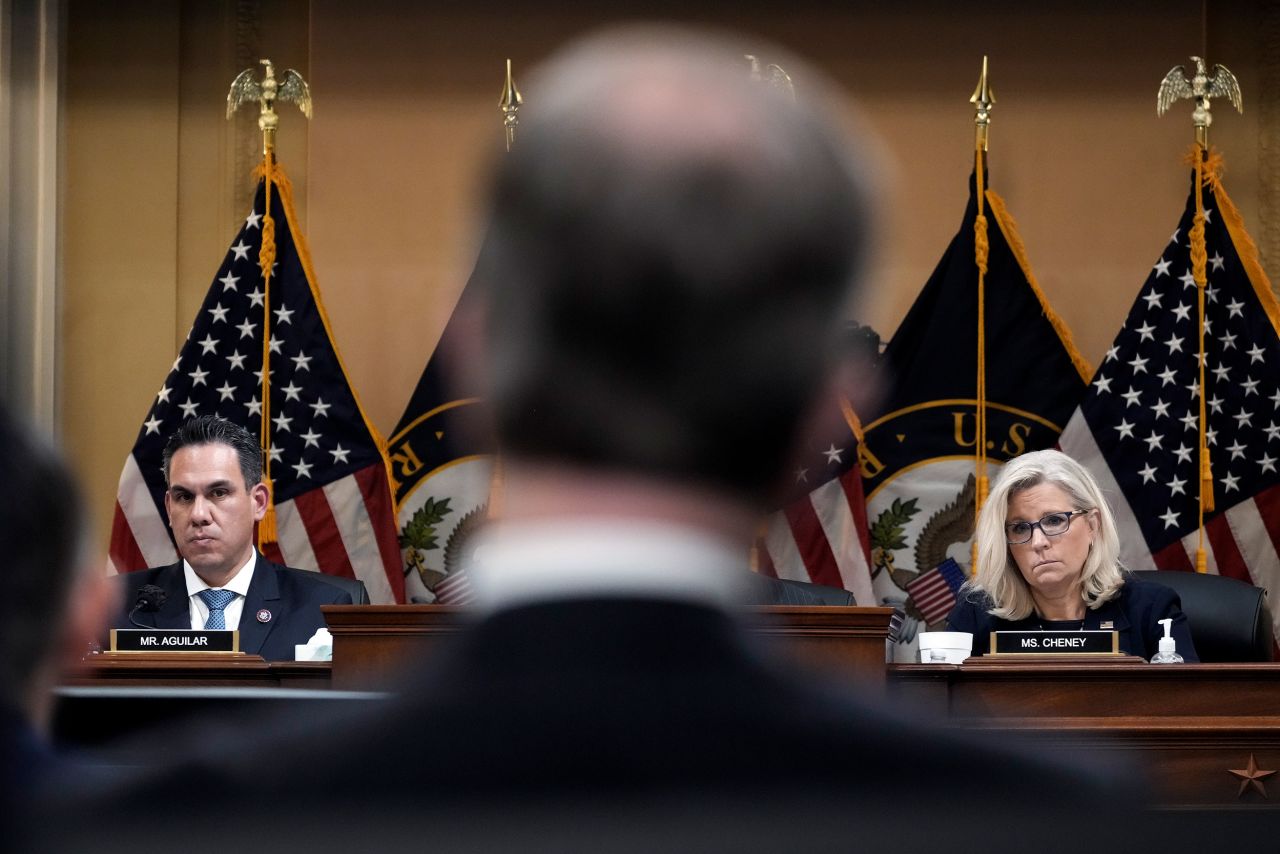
column 1107, row 624
column 264, row 616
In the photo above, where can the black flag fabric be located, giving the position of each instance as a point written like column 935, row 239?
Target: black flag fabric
column 442, row 462
column 919, row 460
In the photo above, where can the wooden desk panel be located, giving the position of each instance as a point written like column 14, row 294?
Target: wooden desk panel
column 373, row 643
column 1188, row 761
column 206, row 670
column 1088, row 690
column 1186, row 726
column 844, row 642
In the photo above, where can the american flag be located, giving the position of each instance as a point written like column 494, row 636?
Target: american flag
column 821, row 535
column 1138, row 427
column 934, row 592
column 330, row 474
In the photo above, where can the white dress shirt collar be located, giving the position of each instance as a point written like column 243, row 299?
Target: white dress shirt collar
column 525, row 562
column 239, row 584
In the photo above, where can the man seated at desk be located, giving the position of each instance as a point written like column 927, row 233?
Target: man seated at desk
column 214, row 495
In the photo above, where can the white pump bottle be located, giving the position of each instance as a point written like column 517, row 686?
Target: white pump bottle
column 1168, row 653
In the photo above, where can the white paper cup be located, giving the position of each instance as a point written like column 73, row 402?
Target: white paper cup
column 945, row 647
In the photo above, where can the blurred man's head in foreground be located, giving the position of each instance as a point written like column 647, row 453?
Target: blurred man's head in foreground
column 54, row 602
column 670, row 258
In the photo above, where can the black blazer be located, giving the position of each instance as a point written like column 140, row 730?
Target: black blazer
column 1133, row 613
column 290, row 599
column 600, row 696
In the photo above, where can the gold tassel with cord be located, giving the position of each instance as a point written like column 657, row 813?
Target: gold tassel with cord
column 981, row 250
column 268, row 527
column 1199, row 261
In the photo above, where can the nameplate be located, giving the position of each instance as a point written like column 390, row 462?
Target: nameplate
column 174, row 640
column 1088, row 642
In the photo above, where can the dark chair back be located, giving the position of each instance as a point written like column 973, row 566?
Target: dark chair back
column 354, row 586
column 782, row 591
column 1229, row 618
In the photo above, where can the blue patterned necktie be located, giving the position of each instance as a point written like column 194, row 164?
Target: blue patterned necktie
column 217, row 600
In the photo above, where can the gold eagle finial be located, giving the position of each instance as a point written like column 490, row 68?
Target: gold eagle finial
column 290, row 88
column 1199, row 87
column 772, row 75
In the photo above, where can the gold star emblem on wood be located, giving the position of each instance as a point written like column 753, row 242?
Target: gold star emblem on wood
column 1252, row 776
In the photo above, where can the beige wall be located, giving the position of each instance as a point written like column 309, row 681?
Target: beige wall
column 405, row 109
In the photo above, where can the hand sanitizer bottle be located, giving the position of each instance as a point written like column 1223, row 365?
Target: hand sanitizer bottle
column 1168, row 653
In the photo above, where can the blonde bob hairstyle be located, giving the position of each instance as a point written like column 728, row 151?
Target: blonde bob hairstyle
column 998, row 576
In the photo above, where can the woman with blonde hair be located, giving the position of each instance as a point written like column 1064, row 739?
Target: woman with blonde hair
column 1048, row 560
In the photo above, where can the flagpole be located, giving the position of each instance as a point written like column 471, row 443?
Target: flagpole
column 983, row 100
column 243, row 90
column 1200, row 87
column 509, row 104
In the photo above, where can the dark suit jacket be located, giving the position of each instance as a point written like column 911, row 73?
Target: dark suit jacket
column 782, row 591
column 1133, row 613
column 24, row 761
column 292, row 597
column 609, row 696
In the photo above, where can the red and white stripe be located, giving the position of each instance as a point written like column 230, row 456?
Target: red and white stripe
column 823, row 538
column 139, row 534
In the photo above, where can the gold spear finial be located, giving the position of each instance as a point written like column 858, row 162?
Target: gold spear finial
column 510, row 103
column 983, row 100
column 1199, row 87
column 292, row 88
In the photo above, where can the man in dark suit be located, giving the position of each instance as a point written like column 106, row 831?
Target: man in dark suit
column 215, row 495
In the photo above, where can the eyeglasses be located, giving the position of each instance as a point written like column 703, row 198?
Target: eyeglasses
column 1052, row 524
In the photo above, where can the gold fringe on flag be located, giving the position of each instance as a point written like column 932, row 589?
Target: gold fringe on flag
column 1245, row 248
column 1009, row 229
column 1208, row 164
column 280, row 184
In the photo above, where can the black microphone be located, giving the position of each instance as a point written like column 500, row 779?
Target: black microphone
column 150, row 598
